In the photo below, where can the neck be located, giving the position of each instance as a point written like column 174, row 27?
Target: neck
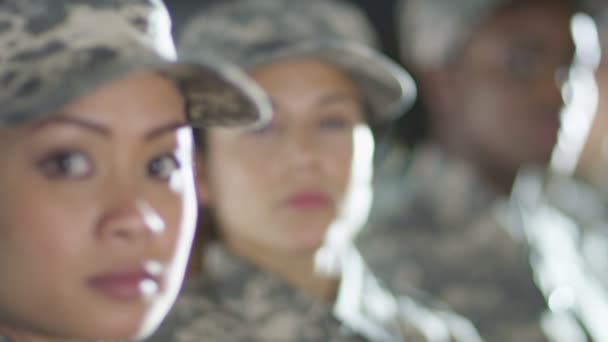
column 499, row 176
column 297, row 269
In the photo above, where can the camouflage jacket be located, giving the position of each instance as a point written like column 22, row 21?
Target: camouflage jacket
column 435, row 226
column 239, row 302
column 564, row 222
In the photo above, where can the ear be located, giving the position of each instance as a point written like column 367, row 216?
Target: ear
column 202, row 181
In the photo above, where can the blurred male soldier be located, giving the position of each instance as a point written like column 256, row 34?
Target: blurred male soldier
column 490, row 75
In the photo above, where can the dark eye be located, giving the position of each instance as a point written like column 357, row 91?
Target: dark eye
column 163, row 167
column 66, row 164
column 524, row 64
column 334, row 122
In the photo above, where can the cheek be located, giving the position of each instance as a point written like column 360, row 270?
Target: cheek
column 174, row 211
column 241, row 189
column 340, row 163
column 233, row 177
column 176, row 206
column 495, row 112
column 43, row 239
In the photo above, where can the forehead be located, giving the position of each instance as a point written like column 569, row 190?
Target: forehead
column 539, row 27
column 304, row 80
column 544, row 20
column 133, row 105
column 130, row 93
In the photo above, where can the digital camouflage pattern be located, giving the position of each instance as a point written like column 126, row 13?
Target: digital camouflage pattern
column 254, row 32
column 53, row 51
column 240, row 302
column 433, row 31
column 435, row 226
column 564, row 220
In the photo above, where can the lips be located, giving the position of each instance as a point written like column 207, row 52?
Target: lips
column 309, row 200
column 126, row 285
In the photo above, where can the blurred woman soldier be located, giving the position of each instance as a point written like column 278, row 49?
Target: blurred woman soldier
column 282, row 267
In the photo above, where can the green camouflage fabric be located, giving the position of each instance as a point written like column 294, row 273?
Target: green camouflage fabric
column 430, row 32
column 564, row 221
column 53, row 51
column 254, row 32
column 239, row 302
column 435, row 226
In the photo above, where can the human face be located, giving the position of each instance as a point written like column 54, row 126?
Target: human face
column 97, row 212
column 278, row 188
column 507, row 84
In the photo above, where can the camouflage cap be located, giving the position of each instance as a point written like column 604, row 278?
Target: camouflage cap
column 255, row 32
column 431, row 30
column 53, row 51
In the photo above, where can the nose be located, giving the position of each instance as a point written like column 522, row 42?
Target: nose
column 300, row 149
column 128, row 219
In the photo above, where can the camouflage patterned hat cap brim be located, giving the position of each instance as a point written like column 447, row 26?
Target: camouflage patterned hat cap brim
column 54, row 51
column 389, row 90
column 253, row 32
column 431, row 30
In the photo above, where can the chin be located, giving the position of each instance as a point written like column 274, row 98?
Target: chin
column 309, row 241
column 125, row 323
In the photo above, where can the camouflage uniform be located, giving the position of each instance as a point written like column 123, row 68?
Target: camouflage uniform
column 563, row 220
column 55, row 51
column 435, row 226
column 528, row 268
column 237, row 301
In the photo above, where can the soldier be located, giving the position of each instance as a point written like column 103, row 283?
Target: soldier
column 282, row 267
column 98, row 206
column 490, row 74
column 565, row 220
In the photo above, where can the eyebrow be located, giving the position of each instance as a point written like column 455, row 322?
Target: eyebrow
column 337, row 97
column 104, row 131
column 327, row 100
column 64, row 119
column 164, row 129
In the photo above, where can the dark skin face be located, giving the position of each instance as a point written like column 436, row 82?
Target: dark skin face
column 498, row 103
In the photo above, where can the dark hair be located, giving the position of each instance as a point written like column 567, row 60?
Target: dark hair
column 207, row 230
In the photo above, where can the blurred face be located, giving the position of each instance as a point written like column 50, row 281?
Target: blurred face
column 97, row 211
column 278, row 188
column 507, row 83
